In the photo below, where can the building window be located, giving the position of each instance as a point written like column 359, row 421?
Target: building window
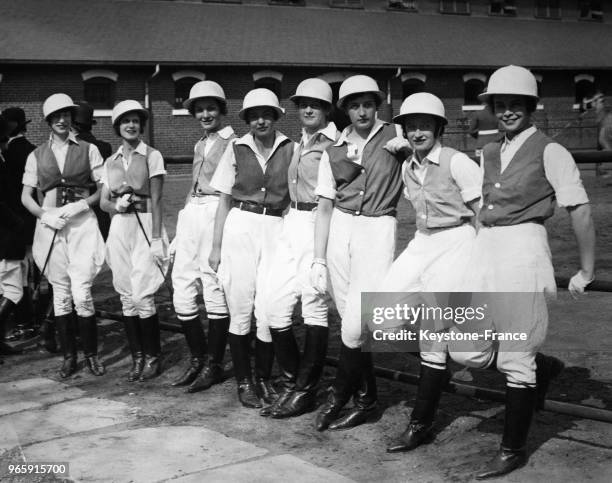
column 269, row 79
column 584, row 87
column 455, row 6
column 502, row 7
column 346, row 3
column 547, row 9
column 473, row 84
column 183, row 82
column 408, row 5
column 412, row 82
column 590, row 10
column 287, row 2
column 99, row 88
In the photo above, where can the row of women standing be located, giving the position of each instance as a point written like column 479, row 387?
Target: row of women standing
column 268, row 222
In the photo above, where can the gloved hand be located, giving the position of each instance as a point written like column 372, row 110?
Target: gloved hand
column 123, row 202
column 578, row 283
column 73, row 209
column 158, row 250
column 318, row 275
column 397, row 144
column 53, row 219
column 214, row 259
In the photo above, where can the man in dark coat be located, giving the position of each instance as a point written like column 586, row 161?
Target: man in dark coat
column 82, row 123
column 15, row 267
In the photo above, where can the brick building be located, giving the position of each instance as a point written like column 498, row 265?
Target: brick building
column 154, row 50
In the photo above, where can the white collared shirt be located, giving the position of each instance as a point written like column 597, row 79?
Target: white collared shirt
column 225, row 175
column 559, row 168
column 60, row 150
column 330, row 132
column 465, row 172
column 155, row 161
column 208, row 140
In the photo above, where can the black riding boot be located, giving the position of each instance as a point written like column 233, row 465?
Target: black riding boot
column 213, row 373
column 149, row 328
column 431, row 384
column 135, row 342
column 66, row 330
column 547, row 369
column 365, row 398
column 6, row 307
column 347, row 376
column 196, row 341
column 264, row 359
column 89, row 338
column 520, row 404
column 288, row 357
column 240, row 348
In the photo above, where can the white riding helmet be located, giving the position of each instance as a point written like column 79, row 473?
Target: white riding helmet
column 57, row 102
column 358, row 84
column 513, row 80
column 260, row 97
column 205, row 88
column 124, row 107
column 421, row 103
column 314, row 89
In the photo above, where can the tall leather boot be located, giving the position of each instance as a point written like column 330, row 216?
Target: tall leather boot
column 135, row 342
column 149, row 328
column 547, row 369
column 67, row 337
column 264, row 359
column 431, row 384
column 520, row 404
column 213, row 373
column 89, row 338
column 365, row 399
column 196, row 341
column 303, row 397
column 240, row 348
column 288, row 357
column 24, row 328
column 6, row 307
column 347, row 376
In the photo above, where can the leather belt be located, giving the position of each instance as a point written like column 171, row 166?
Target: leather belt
column 298, row 205
column 259, row 209
column 69, row 194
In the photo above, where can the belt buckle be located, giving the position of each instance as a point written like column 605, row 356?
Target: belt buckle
column 265, row 210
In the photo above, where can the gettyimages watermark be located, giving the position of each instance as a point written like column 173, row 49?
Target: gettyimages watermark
column 453, row 321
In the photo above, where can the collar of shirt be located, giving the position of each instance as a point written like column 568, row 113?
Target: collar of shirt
column 13, row 138
column 248, row 140
column 432, row 157
column 140, row 149
column 517, row 140
column 71, row 138
column 378, row 125
column 330, row 132
column 224, row 133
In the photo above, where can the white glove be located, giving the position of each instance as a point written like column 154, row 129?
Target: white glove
column 123, row 202
column 318, row 276
column 397, row 144
column 157, row 250
column 53, row 219
column 73, row 209
column 578, row 283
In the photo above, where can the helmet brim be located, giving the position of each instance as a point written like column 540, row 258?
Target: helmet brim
column 399, row 119
column 379, row 95
column 279, row 110
column 189, row 102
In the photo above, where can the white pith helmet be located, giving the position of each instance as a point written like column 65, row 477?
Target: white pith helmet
column 421, row 103
column 314, row 89
column 513, row 80
column 205, row 88
column 358, row 84
column 260, row 97
column 124, row 107
column 57, row 102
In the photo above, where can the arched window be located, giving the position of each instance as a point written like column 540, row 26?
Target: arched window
column 455, row 6
column 99, row 88
column 584, row 88
column 269, row 79
column 183, row 82
column 502, row 7
column 473, row 84
column 547, row 9
column 412, row 82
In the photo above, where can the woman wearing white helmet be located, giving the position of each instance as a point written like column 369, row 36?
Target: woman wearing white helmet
column 444, row 187
column 252, row 181
column 193, row 242
column 63, row 168
column 359, row 186
column 136, row 244
column 525, row 175
column 289, row 281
